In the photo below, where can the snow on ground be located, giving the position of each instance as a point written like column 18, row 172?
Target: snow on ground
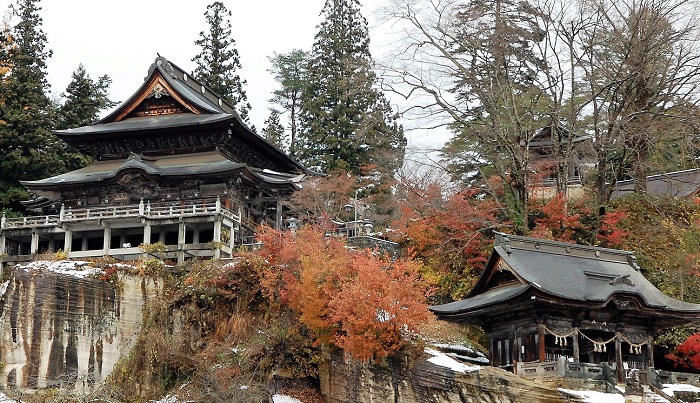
column 669, row 388
column 284, row 399
column 5, row 399
column 3, row 290
column 463, row 352
column 441, row 359
column 166, row 399
column 76, row 268
column 590, row 396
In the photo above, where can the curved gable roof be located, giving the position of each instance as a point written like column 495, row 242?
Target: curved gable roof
column 563, row 272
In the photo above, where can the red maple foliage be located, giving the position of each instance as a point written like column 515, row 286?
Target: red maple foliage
column 687, row 354
column 448, row 233
column 353, row 299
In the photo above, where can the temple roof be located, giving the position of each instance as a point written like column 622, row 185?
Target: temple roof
column 171, row 112
column 182, row 166
column 559, row 273
column 676, row 184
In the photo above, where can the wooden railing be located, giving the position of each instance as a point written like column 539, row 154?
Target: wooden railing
column 147, row 210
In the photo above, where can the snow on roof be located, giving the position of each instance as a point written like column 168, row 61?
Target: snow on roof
column 443, row 360
column 284, row 399
column 78, row 269
column 590, row 396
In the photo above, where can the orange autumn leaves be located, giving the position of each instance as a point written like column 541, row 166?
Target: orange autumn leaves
column 352, row 299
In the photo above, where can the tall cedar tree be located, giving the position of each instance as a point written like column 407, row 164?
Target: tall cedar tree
column 84, row 99
column 218, row 62
column 289, row 70
column 30, row 151
column 346, row 123
column 273, row 131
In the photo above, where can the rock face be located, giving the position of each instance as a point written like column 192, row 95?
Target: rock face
column 66, row 328
column 343, row 381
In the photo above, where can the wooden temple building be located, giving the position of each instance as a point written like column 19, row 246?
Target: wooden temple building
column 541, row 300
column 172, row 164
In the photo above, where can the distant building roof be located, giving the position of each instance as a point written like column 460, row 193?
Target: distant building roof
column 524, row 269
column 677, row 184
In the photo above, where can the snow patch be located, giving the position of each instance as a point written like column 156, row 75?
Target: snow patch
column 63, row 267
column 284, row 399
column 166, row 399
column 3, row 290
column 5, row 399
column 669, row 388
column 464, row 353
column 442, row 360
column 590, row 396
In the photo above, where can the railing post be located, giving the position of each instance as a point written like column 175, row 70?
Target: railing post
column 62, row 212
column 218, row 204
column 148, row 208
column 141, row 207
column 3, row 221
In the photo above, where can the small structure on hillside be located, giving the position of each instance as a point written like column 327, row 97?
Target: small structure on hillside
column 545, row 149
column 683, row 184
column 540, row 300
column 172, row 164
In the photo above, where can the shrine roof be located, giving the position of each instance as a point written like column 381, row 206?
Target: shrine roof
column 676, row 184
column 561, row 273
column 184, row 165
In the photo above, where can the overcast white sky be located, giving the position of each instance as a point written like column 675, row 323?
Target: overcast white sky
column 121, row 39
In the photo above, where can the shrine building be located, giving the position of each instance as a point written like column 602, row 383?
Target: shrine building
column 541, row 300
column 172, row 164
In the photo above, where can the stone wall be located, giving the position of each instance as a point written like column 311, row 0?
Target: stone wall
column 343, row 381
column 59, row 329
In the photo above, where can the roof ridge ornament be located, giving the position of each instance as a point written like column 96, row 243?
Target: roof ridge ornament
column 158, row 91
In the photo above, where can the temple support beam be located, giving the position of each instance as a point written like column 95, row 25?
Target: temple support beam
column 34, row 249
column 540, row 332
column 147, row 234
column 106, row 241
column 182, row 230
column 575, row 346
column 618, row 359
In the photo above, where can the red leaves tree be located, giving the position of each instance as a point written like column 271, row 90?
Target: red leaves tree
column 687, row 354
column 448, row 233
column 351, row 299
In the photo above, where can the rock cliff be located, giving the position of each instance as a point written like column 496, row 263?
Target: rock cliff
column 343, row 381
column 61, row 326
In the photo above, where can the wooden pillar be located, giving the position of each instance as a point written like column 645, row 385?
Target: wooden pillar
column 195, row 235
column 217, row 237
column 67, row 240
column 52, row 245
column 106, row 241
column 575, row 346
column 84, row 245
column 182, row 230
column 278, row 216
column 618, row 359
column 650, row 351
column 3, row 238
column 540, row 332
column 147, row 233
column 35, row 243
